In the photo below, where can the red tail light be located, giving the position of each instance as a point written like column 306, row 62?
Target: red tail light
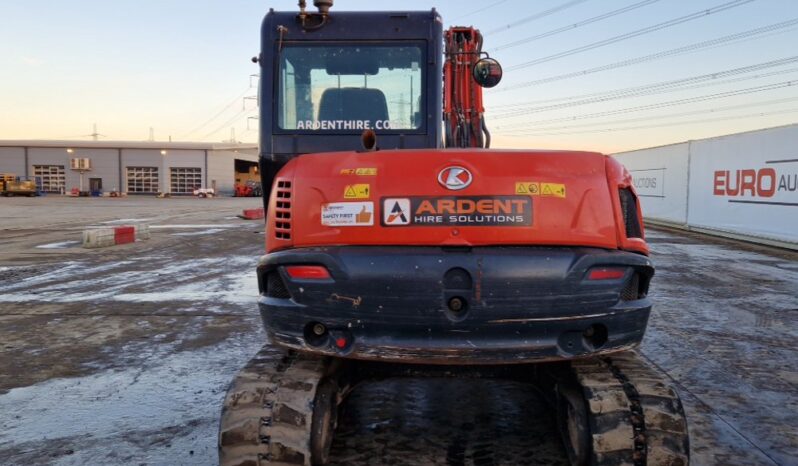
column 308, row 272
column 606, row 273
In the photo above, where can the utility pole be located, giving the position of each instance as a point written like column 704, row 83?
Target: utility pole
column 95, row 135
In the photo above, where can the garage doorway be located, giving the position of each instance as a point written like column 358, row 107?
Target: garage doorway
column 246, row 171
column 141, row 180
column 53, row 178
column 184, row 180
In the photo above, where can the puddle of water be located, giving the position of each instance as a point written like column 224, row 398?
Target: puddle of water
column 201, row 232
column 238, row 288
column 178, row 394
column 128, row 220
column 220, row 225
column 61, row 245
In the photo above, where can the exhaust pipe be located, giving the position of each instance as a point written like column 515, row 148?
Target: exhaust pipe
column 323, row 6
column 312, row 21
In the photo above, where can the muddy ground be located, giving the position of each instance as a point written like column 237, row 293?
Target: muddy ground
column 122, row 355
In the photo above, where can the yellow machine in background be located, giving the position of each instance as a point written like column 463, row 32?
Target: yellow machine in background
column 12, row 185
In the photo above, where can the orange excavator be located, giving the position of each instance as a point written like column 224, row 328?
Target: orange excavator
column 398, row 243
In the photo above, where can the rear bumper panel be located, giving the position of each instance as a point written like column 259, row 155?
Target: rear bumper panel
column 520, row 304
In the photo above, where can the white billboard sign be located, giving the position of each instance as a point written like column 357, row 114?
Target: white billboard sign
column 746, row 183
column 660, row 178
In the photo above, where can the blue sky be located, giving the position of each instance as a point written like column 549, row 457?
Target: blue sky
column 182, row 67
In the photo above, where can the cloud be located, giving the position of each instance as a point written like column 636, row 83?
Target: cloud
column 31, row 61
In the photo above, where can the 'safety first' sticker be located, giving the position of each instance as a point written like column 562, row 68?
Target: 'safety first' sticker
column 347, row 214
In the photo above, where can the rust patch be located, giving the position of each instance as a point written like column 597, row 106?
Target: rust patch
column 355, row 301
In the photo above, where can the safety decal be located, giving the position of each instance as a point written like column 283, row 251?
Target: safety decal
column 370, row 171
column 534, row 188
column 356, row 191
column 527, row 187
column 347, row 214
column 457, row 211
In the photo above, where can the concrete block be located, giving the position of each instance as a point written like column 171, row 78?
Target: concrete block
column 252, row 214
column 111, row 236
column 142, row 231
column 99, row 238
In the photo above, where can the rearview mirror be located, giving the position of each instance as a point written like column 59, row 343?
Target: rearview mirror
column 487, row 72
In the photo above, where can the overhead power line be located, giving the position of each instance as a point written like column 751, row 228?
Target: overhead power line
column 539, row 15
column 670, row 103
column 230, row 121
column 630, row 35
column 694, row 82
column 571, row 27
column 535, row 131
column 724, row 40
column 217, row 114
column 480, row 10
column 661, row 125
column 674, row 83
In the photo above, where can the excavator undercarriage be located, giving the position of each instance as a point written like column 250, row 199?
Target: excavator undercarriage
column 615, row 410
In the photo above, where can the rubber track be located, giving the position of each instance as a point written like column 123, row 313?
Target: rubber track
column 267, row 413
column 636, row 417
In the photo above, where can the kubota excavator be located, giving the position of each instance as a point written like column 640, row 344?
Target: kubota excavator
column 397, row 243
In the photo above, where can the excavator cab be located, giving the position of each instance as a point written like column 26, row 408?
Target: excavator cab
column 327, row 78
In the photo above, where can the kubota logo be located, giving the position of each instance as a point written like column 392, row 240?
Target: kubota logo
column 455, row 178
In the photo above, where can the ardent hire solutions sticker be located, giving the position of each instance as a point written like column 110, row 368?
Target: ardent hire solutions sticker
column 505, row 211
column 347, row 214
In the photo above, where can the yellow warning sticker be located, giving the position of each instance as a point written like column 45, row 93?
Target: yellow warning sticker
column 359, row 171
column 535, row 188
column 357, row 191
column 552, row 189
column 527, row 187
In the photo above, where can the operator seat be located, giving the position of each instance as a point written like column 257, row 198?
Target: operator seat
column 353, row 104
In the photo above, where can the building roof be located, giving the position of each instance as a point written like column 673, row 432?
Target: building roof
column 126, row 144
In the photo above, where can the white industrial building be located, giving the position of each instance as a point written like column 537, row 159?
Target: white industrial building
column 130, row 167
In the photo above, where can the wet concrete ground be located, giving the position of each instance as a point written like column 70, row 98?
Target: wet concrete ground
column 122, row 355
